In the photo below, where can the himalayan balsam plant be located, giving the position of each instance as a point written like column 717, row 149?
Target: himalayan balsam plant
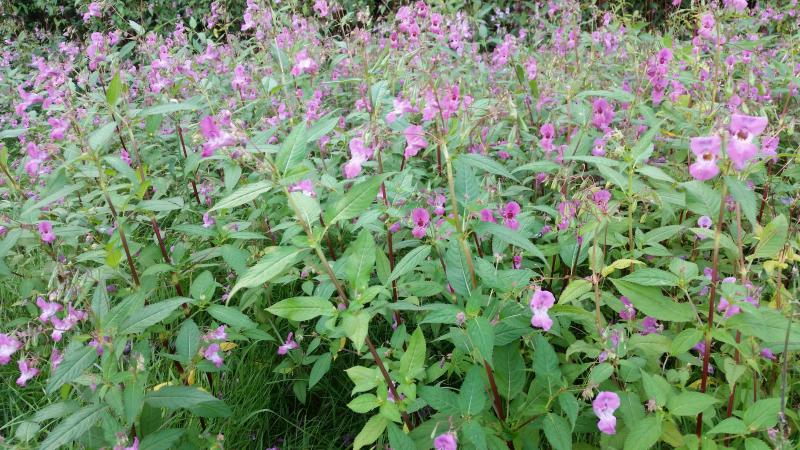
column 575, row 231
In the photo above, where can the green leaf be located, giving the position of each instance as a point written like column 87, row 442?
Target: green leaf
column 690, row 403
column 655, row 173
column 644, row 146
column 307, row 207
column 557, row 431
column 771, row 239
column 644, row 434
column 731, row 425
column 361, row 261
column 745, row 197
column 472, row 397
column 355, row 201
column 356, row 326
column 185, row 397
column 364, row 403
column 364, row 378
column 442, row 400
column 302, row 308
column 457, row 271
column 191, row 104
column 161, row 439
column 412, row 363
column 372, row 430
column 243, row 195
column 569, row 405
column 114, row 90
column 755, row 444
column 399, row 440
column 652, row 277
column 321, row 366
column 511, row 237
column 545, row 360
column 187, row 343
column 509, row 370
column 203, row 286
column 762, row 414
column 702, row 199
column 574, row 289
column 76, row 360
column 73, row 427
column 685, row 340
column 481, row 334
column 272, row 265
column 161, row 204
column 484, row 163
column 651, row 302
column 475, row 434
column 231, row 316
column 293, row 149
column 100, row 137
column 410, row 262
column 150, row 315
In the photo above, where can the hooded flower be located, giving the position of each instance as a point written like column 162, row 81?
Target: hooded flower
column 49, row 309
column 706, row 149
column 8, row 346
column 211, row 353
column 46, row 232
column 303, row 64
column 604, row 406
column 628, row 312
column 541, row 302
column 487, row 215
column 305, row 186
column 26, row 371
column 289, row 344
column 215, row 138
column 744, row 129
column 728, row 308
column 446, row 441
column 359, row 153
column 415, row 140
column 603, row 114
column 509, row 213
column 421, row 219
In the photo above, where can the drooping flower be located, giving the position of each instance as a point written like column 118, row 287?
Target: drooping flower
column 415, row 140
column 215, row 137
column 8, row 346
column 601, row 199
column 421, row 219
column 704, row 222
column 603, row 114
column 303, row 64
column 706, row 149
column 305, row 186
column 728, row 308
column 628, row 312
column 766, row 353
column 59, row 127
column 217, row 334
column 509, row 213
column 446, row 441
column 359, row 154
column 744, row 129
column 548, row 132
column 401, row 106
column 487, row 215
column 49, row 309
column 93, row 11
column 46, row 232
column 212, row 354
column 516, row 262
column 321, row 7
column 56, row 358
column 599, row 148
column 604, row 406
column 289, row 344
column 208, row 220
column 26, row 371
column 541, row 302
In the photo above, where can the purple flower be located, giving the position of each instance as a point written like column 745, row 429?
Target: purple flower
column 321, row 7
column 461, row 318
column 548, row 132
column 27, row 371
column 92, row 11
column 601, row 198
column 49, row 309
column 628, row 312
column 46, row 232
column 769, row 146
column 421, row 219
column 516, row 262
column 446, row 441
column 217, row 334
column 289, row 344
column 56, row 358
column 741, row 148
column 728, row 308
column 540, row 303
column 8, row 346
column 359, row 154
column 509, row 213
column 704, row 222
column 305, row 186
column 303, row 64
column 59, row 127
column 599, row 148
column 215, row 138
column 706, row 149
column 604, row 406
column 651, row 326
column 208, row 220
column 767, row 354
column 603, row 114
column 211, row 353
column 401, row 107
column 487, row 215
column 415, row 140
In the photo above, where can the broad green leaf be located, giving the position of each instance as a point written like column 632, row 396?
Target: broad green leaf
column 307, row 207
column 762, row 414
column 302, row 308
column 76, row 360
column 685, row 340
column 399, row 440
column 652, row 302
column 187, row 343
column 481, row 334
column 372, row 430
column 690, row 403
column 203, row 286
column 557, row 431
column 191, row 104
column 412, row 363
column 618, row 265
column 231, row 316
column 457, row 271
column 161, row 204
column 364, row 378
column 511, row 237
column 196, row 400
column 364, row 403
column 356, row 327
column 484, row 163
column 293, row 150
column 73, row 427
column 771, row 239
column 574, row 289
column 475, row 434
column 272, row 265
column 243, row 195
column 509, row 370
column 114, row 90
column 361, row 261
column 545, row 360
column 101, row 136
column 652, row 277
column 321, row 366
column 644, row 434
column 472, row 397
column 702, row 199
column 355, row 201
column 161, row 439
column 150, row 315
column 410, row 262
column 745, row 197
column 731, row 425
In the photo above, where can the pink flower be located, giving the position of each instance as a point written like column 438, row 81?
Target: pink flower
column 134, row 446
column 27, row 371
column 541, row 302
column 769, row 146
column 56, row 358
column 599, row 148
column 46, row 232
column 211, row 353
column 303, row 64
column 359, row 153
column 548, row 132
column 304, row 186
column 59, row 127
column 415, row 140
column 706, row 149
column 604, row 406
column 217, row 334
column 49, row 309
column 651, row 326
column 509, row 213
column 603, row 114
column 741, row 148
column 8, row 346
column 446, row 441
column 92, row 11
column 516, row 262
column 421, row 219
column 728, row 308
column 628, row 312
column 290, row 344
column 401, row 107
column 704, row 222
column 208, row 220
column 321, row 7
column 601, row 198
column 766, row 353
column 487, row 215
column 215, row 138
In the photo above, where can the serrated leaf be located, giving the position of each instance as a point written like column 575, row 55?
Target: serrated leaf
column 321, row 366
column 243, row 195
column 272, row 265
column 690, row 403
column 412, row 363
column 746, row 199
column 481, row 334
column 652, row 302
column 487, row 164
column 231, row 316
column 372, row 430
column 302, row 308
column 150, row 315
column 772, row 238
column 472, row 396
column 187, row 343
column 100, row 137
column 644, row 434
column 75, row 362
column 409, row 262
column 355, row 201
column 73, row 427
column 557, row 431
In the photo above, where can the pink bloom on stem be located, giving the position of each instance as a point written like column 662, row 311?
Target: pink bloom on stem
column 446, row 441
column 208, row 220
column 706, row 149
column 728, row 308
column 766, row 353
column 769, row 146
column 651, row 326
column 603, row 114
column 59, row 127
column 359, row 153
column 516, row 262
column 8, row 346
column 49, row 309
column 303, row 64
column 509, row 213
column 601, row 198
column 92, row 11
column 548, row 132
column 604, row 406
column 744, row 129
column 321, row 7
column 218, row 334
column 487, row 215
column 415, row 140
column 541, row 302
column 401, row 107
column 46, row 232
column 27, row 371
column 628, row 312
column 421, row 219
column 305, row 186
column 215, row 138
column 704, row 222
column 211, row 353
column 56, row 358
column 599, row 148
column 290, row 344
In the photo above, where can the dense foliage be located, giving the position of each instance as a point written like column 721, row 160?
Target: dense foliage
column 473, row 229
